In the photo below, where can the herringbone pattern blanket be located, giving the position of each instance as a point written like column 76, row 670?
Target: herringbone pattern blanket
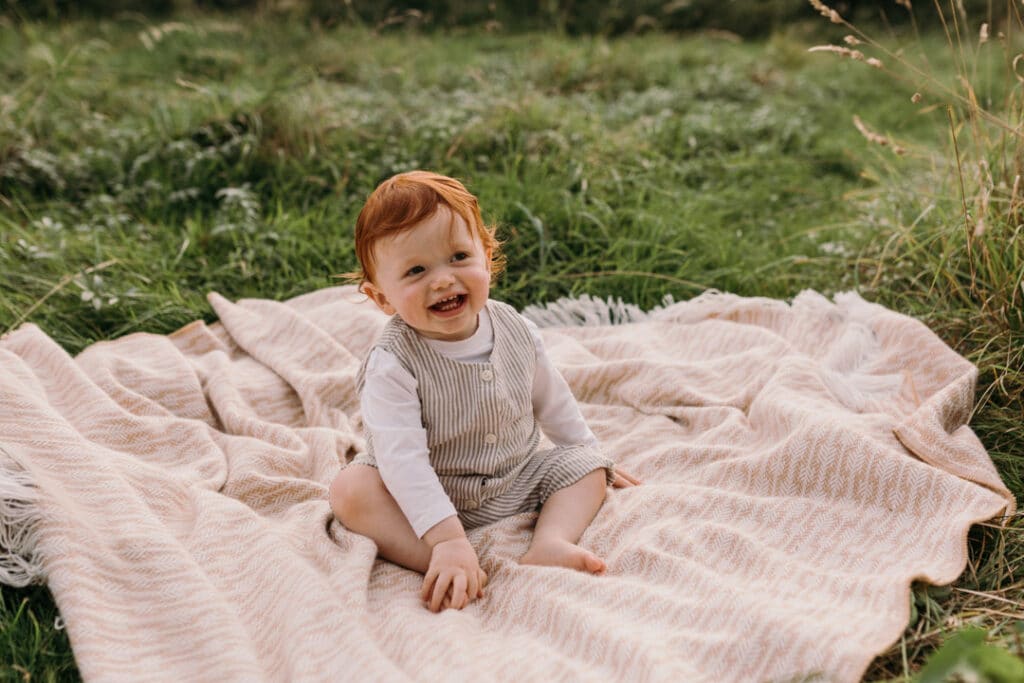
column 803, row 464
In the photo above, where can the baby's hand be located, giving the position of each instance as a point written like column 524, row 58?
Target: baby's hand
column 454, row 578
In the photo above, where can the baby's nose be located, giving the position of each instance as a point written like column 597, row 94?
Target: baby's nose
column 443, row 279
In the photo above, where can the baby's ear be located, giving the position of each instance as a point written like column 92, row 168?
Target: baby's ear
column 377, row 296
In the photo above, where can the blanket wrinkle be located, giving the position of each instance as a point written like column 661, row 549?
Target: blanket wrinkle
column 803, row 462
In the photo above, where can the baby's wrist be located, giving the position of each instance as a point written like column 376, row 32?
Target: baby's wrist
column 457, row 540
column 449, row 529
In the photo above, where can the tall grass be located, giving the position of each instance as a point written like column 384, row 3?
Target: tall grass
column 144, row 163
column 952, row 252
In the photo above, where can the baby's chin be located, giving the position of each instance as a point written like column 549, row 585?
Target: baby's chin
column 451, row 329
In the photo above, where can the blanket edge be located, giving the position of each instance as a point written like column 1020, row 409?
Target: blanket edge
column 20, row 514
column 589, row 311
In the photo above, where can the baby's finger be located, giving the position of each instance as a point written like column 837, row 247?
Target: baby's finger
column 440, row 588
column 428, row 585
column 459, row 591
column 482, row 576
column 472, row 586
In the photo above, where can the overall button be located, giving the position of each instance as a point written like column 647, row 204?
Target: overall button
column 487, row 375
column 471, row 505
column 491, row 438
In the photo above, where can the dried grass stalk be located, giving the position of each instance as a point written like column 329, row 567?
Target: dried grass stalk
column 876, row 138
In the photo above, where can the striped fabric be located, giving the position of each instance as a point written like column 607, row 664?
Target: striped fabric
column 541, row 474
column 803, row 463
column 481, row 433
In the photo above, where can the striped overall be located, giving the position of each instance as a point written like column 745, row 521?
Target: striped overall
column 481, row 432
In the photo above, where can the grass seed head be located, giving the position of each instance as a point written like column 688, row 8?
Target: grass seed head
column 876, row 138
column 827, row 12
column 841, row 51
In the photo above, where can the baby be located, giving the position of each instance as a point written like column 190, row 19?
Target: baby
column 454, row 395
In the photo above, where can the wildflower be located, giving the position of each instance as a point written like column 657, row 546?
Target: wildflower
column 915, row 98
column 851, row 40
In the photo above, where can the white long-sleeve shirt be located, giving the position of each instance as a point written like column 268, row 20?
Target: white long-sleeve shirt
column 391, row 413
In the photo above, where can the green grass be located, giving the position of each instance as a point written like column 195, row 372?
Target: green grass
column 31, row 647
column 143, row 165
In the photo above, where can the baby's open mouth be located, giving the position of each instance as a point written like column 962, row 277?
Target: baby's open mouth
column 449, row 304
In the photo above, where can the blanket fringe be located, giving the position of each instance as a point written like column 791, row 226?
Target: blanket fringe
column 20, row 565
column 588, row 311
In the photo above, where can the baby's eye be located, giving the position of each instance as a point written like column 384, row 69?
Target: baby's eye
column 415, row 270
column 460, row 256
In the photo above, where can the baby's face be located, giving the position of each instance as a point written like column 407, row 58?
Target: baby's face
column 436, row 276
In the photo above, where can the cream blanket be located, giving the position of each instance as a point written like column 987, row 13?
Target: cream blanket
column 803, row 464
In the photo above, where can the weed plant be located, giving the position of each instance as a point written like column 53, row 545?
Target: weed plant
column 145, row 163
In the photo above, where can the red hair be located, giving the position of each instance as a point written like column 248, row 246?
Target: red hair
column 405, row 200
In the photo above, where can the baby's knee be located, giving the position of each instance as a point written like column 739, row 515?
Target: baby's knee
column 353, row 490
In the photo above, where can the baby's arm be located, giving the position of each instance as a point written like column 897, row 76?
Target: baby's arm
column 557, row 411
column 392, row 418
column 554, row 405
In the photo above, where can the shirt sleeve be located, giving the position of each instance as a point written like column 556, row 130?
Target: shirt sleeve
column 554, row 406
column 391, row 415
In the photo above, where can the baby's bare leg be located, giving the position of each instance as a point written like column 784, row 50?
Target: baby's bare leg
column 362, row 503
column 563, row 518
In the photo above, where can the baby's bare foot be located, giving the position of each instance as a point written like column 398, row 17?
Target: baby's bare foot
column 559, row 553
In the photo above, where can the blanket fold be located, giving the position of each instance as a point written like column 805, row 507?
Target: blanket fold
column 803, row 463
